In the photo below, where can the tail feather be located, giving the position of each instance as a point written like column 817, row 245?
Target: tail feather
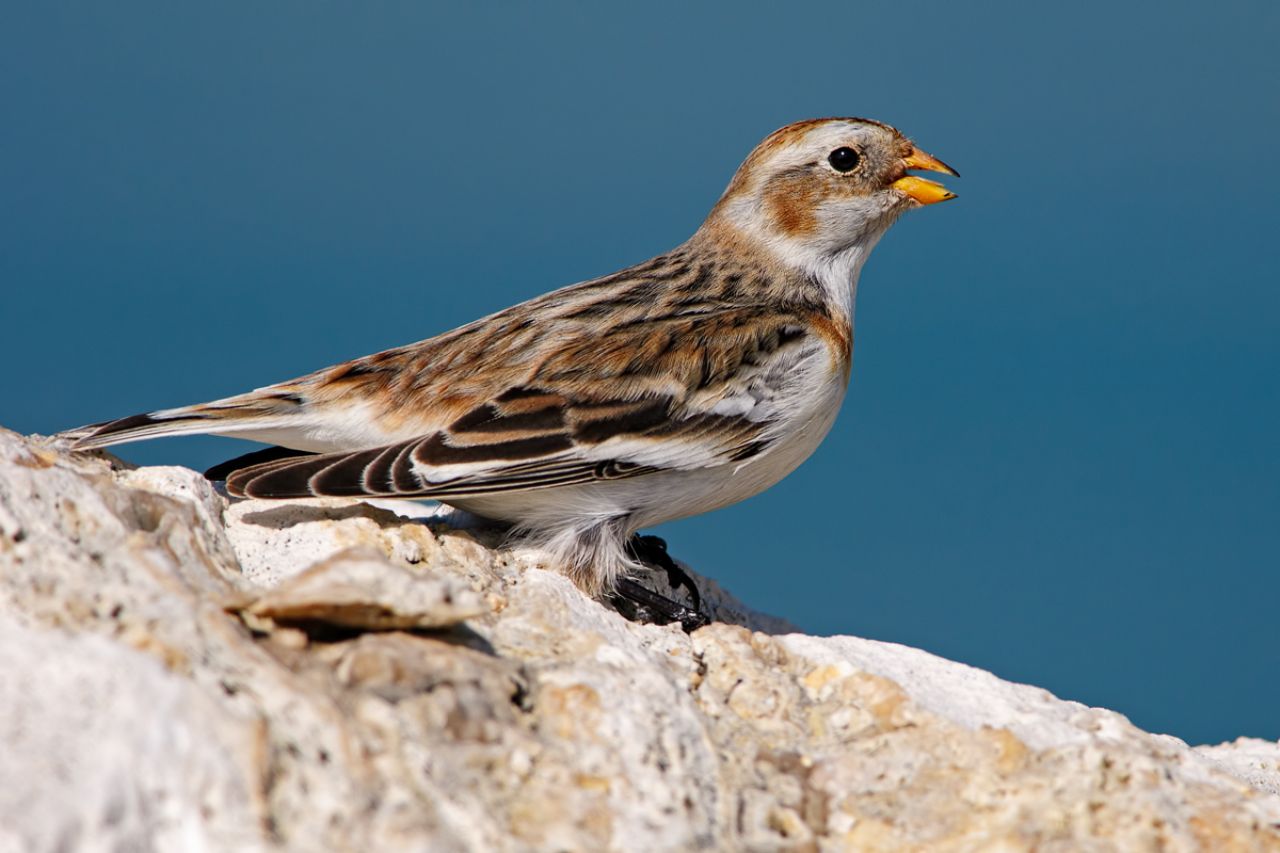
column 265, row 409
column 137, row 428
column 193, row 420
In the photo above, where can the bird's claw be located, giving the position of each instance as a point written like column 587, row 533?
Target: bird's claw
column 641, row 604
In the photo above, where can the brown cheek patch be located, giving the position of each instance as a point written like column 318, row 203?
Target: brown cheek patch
column 791, row 201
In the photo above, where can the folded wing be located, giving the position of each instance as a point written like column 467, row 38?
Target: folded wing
column 526, row 438
column 717, row 389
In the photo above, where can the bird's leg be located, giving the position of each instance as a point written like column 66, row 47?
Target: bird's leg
column 644, row 605
column 652, row 551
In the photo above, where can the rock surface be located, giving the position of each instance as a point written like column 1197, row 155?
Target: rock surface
column 178, row 672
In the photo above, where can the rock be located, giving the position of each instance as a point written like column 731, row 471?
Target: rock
column 359, row 588
column 178, row 671
column 103, row 742
column 1253, row 761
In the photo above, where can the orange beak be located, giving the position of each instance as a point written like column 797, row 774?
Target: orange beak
column 923, row 190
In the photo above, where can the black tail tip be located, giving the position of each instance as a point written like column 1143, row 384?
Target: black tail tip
column 83, row 438
column 131, row 422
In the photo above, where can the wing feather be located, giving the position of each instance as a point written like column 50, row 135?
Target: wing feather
column 562, row 427
column 466, row 462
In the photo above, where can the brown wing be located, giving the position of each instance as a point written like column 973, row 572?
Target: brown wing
column 526, row 439
column 615, row 384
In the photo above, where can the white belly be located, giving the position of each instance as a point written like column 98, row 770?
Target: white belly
column 654, row 498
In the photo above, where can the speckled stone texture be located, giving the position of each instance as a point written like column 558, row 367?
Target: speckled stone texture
column 180, row 672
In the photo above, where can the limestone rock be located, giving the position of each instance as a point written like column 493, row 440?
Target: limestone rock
column 103, row 742
column 1254, row 761
column 182, row 672
column 360, row 588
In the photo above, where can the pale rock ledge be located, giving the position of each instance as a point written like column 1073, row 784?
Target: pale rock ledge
column 181, row 673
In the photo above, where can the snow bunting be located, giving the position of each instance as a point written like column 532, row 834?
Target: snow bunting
column 680, row 385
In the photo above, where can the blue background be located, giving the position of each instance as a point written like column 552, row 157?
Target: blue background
column 1059, row 456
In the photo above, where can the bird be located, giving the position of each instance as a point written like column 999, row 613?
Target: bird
column 682, row 384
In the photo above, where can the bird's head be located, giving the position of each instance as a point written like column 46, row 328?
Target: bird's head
column 819, row 188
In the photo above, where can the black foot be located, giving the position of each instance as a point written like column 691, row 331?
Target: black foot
column 652, row 551
column 641, row 604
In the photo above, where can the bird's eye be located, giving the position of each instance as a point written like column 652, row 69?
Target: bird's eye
column 843, row 159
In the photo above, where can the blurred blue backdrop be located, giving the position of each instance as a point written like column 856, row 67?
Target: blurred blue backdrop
column 1059, row 459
